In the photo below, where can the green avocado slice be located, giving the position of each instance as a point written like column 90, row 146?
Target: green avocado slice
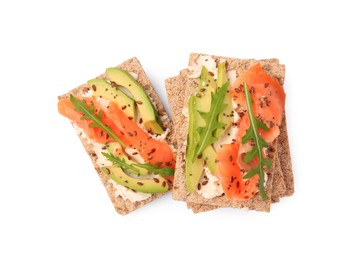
column 147, row 110
column 194, row 170
column 209, row 156
column 206, row 86
column 101, row 88
column 155, row 185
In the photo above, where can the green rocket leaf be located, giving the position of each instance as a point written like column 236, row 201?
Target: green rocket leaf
column 206, row 133
column 89, row 114
column 133, row 168
column 120, row 162
column 253, row 135
column 155, row 169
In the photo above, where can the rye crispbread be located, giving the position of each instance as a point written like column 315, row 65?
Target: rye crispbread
column 132, row 65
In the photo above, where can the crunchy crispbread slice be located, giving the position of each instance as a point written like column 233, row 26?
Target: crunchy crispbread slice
column 183, row 86
column 133, row 66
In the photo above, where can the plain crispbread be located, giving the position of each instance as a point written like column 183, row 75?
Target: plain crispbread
column 121, row 205
column 183, row 86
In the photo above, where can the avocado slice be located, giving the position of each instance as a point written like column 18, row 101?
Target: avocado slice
column 113, row 147
column 209, row 155
column 207, row 85
column 155, row 185
column 194, row 170
column 101, row 88
column 147, row 110
column 226, row 116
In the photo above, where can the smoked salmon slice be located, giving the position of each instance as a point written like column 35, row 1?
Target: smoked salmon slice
column 125, row 128
column 230, row 174
column 268, row 101
column 268, row 106
column 67, row 109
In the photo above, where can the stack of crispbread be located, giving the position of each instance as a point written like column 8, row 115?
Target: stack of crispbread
column 280, row 182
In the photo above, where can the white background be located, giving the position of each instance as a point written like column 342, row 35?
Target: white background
column 52, row 204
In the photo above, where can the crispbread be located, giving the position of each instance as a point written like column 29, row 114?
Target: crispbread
column 183, row 85
column 132, row 65
column 285, row 159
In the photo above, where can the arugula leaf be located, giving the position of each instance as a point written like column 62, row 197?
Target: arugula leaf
column 206, row 133
column 155, row 169
column 89, row 114
column 252, row 134
column 121, row 162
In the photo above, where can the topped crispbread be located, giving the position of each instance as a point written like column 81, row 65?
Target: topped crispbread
column 133, row 66
column 183, row 86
